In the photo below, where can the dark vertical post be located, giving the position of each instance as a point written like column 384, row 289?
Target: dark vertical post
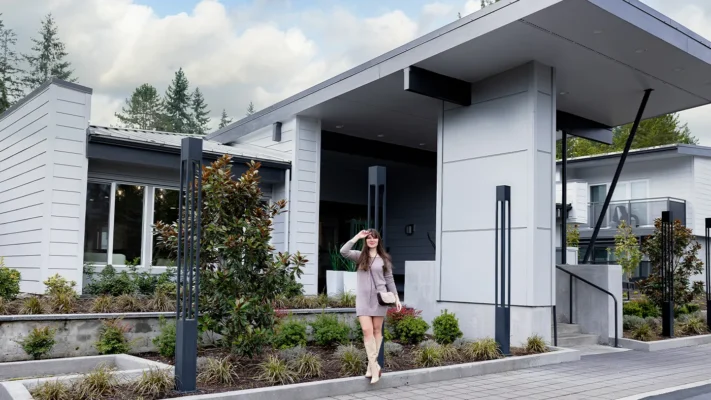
column 502, row 239
column 564, row 201
column 188, row 260
column 616, row 177
column 667, row 271
column 376, row 183
column 708, row 272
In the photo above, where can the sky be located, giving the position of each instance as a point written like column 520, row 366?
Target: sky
column 261, row 51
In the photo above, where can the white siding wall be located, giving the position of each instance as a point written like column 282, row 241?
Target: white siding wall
column 701, row 197
column 43, row 185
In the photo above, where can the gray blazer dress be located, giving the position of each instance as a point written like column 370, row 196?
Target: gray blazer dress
column 367, row 293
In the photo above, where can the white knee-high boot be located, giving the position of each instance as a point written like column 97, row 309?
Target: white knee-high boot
column 371, row 349
column 378, row 343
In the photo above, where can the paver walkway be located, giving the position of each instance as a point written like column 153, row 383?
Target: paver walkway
column 603, row 376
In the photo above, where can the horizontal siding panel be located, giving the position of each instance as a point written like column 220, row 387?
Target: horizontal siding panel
column 306, row 186
column 22, row 178
column 63, row 249
column 69, row 146
column 20, row 203
column 14, row 146
column 67, row 263
column 67, row 197
column 36, row 151
column 27, row 112
column 30, row 224
column 26, row 261
column 32, row 274
column 70, row 133
column 305, row 196
column 59, row 222
column 25, row 249
column 20, row 191
column 21, row 237
column 23, row 214
column 308, row 207
column 63, row 236
column 71, row 121
column 70, row 95
column 70, row 108
column 305, row 165
column 307, row 176
column 308, row 133
column 74, row 185
column 65, row 210
column 305, row 240
column 21, row 168
column 69, row 159
column 305, row 227
column 283, row 146
column 68, row 171
column 308, row 145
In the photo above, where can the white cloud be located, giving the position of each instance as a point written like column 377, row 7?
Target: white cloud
column 471, row 6
column 437, row 9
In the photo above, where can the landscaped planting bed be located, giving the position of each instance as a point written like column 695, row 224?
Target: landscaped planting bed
column 642, row 321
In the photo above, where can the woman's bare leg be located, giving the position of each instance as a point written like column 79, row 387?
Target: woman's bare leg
column 366, row 324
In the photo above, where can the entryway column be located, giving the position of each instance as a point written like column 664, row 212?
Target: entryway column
column 506, row 137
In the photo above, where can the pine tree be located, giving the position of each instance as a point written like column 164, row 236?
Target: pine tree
column 178, row 103
column 224, row 120
column 250, row 109
column 9, row 61
column 199, row 118
column 144, row 110
column 4, row 101
column 48, row 56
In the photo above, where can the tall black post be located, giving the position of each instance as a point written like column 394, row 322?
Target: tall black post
column 188, row 260
column 708, row 273
column 564, row 201
column 502, row 286
column 667, row 271
column 377, row 220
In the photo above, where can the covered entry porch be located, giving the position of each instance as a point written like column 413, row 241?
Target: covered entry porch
column 472, row 106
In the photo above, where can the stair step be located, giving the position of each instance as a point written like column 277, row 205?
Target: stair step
column 572, row 340
column 564, row 329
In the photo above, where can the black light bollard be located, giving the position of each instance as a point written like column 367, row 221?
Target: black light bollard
column 708, row 273
column 377, row 214
column 188, row 260
column 502, row 287
column 667, row 274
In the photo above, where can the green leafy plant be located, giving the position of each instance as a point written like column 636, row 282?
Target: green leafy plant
column 685, row 264
column 536, row 345
column 39, row 342
column 9, row 282
column 328, row 329
column 482, row 350
column 161, row 301
column 290, row 333
column 217, row 371
column 446, row 328
column 641, row 308
column 351, row 359
column 109, row 282
column 165, row 341
column 644, row 333
column 96, row 384
column 393, row 349
column 103, row 304
column 429, row 356
column 155, row 383
column 61, row 295
column 128, row 303
column 112, row 338
column 241, row 275
column 693, row 326
column 630, row 322
column 307, row 365
column 32, row 306
column 4, row 306
column 411, row 329
column 572, row 235
column 276, row 371
column 291, row 354
column 627, row 251
column 52, row 390
column 346, row 299
column 655, row 323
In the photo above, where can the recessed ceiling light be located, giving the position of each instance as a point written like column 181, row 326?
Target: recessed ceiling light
column 678, row 69
column 339, row 126
column 597, row 31
column 422, row 144
column 381, row 135
column 640, row 51
column 563, row 93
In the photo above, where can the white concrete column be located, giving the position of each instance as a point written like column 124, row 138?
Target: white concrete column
column 506, row 137
column 304, row 188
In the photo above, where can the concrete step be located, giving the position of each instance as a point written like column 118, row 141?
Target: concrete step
column 565, row 329
column 573, row 340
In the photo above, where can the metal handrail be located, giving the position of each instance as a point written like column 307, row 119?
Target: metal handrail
column 572, row 275
column 643, row 199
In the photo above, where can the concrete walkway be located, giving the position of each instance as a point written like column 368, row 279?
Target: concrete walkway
column 608, row 376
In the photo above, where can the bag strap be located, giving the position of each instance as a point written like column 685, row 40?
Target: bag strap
column 370, row 269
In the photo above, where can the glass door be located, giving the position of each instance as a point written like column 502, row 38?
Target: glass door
column 597, row 198
column 639, row 208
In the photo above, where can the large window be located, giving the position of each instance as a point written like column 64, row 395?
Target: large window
column 128, row 224
column 96, row 232
column 165, row 209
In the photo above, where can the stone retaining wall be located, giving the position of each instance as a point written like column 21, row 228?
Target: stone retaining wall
column 77, row 333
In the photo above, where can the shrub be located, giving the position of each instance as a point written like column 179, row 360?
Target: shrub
column 9, row 282
column 52, row 390
column 165, row 341
column 643, row 332
column 346, row 299
column 428, row 356
column 393, row 317
column 240, row 274
column 111, row 283
column 446, row 328
column 112, row 338
column 96, row 384
column 351, row 359
column 60, row 293
column 102, row 304
column 641, row 308
column 4, row 306
column 411, row 329
column 630, row 322
column 654, row 323
column 290, row 333
column 307, row 365
column 32, row 305
column 214, row 371
column 393, row 349
column 276, row 371
column 161, row 301
column 128, row 303
column 482, row 350
column 693, row 326
column 328, row 330
column 39, row 342
column 154, row 383
column 291, row 354
column 535, row 345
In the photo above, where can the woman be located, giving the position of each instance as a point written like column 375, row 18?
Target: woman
column 375, row 274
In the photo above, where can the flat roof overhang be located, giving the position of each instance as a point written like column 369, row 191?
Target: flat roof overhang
column 605, row 52
column 153, row 156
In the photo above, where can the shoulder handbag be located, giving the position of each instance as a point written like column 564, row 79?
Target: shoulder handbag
column 384, row 298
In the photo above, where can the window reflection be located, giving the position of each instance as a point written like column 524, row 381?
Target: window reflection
column 96, row 232
column 128, row 218
column 165, row 209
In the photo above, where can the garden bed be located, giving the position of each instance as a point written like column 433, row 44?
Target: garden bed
column 665, row 343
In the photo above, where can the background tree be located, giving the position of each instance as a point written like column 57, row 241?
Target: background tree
column 9, row 64
column 486, row 3
column 224, row 120
column 685, row 264
column 627, row 252
column 658, row 131
column 47, row 57
column 250, row 109
column 199, row 117
column 4, row 101
column 144, row 110
column 178, row 103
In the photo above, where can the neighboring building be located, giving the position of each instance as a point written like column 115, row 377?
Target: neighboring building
column 674, row 178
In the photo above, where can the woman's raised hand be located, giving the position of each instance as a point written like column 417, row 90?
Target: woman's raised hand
column 362, row 234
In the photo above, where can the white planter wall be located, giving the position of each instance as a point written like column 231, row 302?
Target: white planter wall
column 334, row 282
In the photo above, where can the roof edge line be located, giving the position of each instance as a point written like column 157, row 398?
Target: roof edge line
column 40, row 89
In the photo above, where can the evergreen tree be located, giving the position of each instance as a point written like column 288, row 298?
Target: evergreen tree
column 143, row 110
column 224, row 120
column 250, row 109
column 178, row 104
column 485, row 3
column 4, row 101
column 199, row 118
column 9, row 64
column 47, row 59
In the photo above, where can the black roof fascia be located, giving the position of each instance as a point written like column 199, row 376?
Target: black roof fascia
column 338, row 142
column 41, row 88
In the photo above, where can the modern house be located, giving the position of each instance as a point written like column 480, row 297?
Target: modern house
column 419, row 138
column 674, row 178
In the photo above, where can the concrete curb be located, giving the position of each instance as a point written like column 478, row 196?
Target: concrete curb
column 346, row 386
column 668, row 344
